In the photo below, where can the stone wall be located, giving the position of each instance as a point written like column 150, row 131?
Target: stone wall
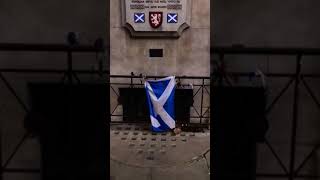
column 189, row 55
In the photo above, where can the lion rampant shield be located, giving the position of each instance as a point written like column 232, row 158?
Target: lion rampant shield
column 155, row 19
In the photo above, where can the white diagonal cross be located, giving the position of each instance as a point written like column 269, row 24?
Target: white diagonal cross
column 172, row 18
column 139, row 18
column 158, row 103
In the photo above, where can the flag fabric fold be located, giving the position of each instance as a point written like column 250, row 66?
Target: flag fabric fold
column 160, row 97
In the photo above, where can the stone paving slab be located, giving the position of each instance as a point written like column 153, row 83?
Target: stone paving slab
column 141, row 154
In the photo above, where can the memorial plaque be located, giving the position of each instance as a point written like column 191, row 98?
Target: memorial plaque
column 156, row 18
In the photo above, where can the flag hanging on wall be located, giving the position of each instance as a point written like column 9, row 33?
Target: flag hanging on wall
column 160, row 97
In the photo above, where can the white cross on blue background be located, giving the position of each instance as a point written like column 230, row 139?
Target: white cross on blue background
column 139, row 17
column 172, row 18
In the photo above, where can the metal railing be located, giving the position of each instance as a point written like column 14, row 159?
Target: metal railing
column 68, row 74
column 296, row 79
column 200, row 114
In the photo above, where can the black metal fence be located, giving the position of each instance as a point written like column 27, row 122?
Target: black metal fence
column 200, row 109
column 68, row 74
column 296, row 79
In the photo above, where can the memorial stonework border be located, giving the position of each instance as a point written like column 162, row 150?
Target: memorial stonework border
column 156, row 18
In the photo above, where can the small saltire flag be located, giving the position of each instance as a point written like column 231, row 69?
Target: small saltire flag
column 139, row 17
column 160, row 97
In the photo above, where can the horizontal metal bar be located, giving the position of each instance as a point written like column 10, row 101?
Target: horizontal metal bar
column 148, row 123
column 48, row 47
column 84, row 71
column 25, row 170
column 60, row 71
column 51, row 71
column 216, row 74
column 36, row 170
column 177, row 77
column 131, row 122
column 264, row 50
column 128, row 83
column 249, row 74
column 193, row 117
column 215, row 49
column 273, row 175
column 21, row 170
column 139, row 84
column 120, row 115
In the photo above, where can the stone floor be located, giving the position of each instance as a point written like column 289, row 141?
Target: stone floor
column 137, row 153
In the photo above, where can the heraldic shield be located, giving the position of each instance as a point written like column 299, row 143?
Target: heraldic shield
column 155, row 19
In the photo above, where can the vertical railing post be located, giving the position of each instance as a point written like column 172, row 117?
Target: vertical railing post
column 221, row 69
column 201, row 105
column 295, row 118
column 1, row 167
column 69, row 101
column 70, row 69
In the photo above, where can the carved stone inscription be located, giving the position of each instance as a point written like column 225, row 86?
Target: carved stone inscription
column 156, row 18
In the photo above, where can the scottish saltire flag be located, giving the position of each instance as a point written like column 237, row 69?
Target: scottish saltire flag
column 160, row 97
column 139, row 17
column 172, row 18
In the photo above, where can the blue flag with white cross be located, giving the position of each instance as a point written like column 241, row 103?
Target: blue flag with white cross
column 160, row 97
column 172, row 18
column 139, row 17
